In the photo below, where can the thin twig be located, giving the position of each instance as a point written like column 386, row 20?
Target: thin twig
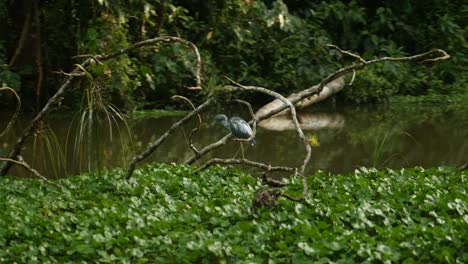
column 352, row 79
column 345, row 52
column 271, row 182
column 69, row 74
column 18, row 107
column 244, row 162
column 200, row 121
column 22, row 163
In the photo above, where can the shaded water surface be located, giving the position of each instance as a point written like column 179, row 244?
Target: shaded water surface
column 385, row 136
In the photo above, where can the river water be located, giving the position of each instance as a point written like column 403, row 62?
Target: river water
column 381, row 136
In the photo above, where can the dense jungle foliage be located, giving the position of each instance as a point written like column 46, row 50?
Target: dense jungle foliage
column 272, row 43
column 168, row 214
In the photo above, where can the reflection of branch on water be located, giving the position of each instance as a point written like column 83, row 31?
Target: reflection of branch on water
column 307, row 121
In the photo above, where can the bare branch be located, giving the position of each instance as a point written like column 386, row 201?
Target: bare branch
column 244, row 162
column 22, row 163
column 18, row 107
column 69, row 74
column 153, row 146
column 208, row 149
column 443, row 56
column 345, row 52
column 192, row 147
column 352, row 79
column 271, row 182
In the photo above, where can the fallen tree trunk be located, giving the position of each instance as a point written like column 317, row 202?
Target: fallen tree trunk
column 328, row 90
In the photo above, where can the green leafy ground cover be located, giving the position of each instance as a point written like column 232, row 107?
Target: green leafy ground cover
column 167, row 214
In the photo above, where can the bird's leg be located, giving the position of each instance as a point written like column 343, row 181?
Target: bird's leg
column 235, row 154
column 242, row 150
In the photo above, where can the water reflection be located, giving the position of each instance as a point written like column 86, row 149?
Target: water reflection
column 388, row 136
column 307, row 121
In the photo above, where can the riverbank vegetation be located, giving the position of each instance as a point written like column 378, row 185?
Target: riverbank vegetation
column 169, row 214
column 276, row 44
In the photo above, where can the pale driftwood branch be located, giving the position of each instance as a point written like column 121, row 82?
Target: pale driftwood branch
column 345, row 52
column 308, row 121
column 69, row 74
column 421, row 58
column 243, row 162
column 302, row 98
column 352, row 79
column 443, row 56
column 191, row 145
column 25, row 165
column 18, row 107
column 153, row 146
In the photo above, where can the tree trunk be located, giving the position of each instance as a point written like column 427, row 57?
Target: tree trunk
column 328, row 90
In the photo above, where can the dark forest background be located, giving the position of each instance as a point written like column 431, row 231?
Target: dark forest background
column 275, row 44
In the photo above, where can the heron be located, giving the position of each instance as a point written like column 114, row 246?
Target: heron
column 237, row 126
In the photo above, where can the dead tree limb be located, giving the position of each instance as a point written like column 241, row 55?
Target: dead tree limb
column 25, row 165
column 152, row 41
column 244, row 162
column 153, row 146
column 191, row 145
